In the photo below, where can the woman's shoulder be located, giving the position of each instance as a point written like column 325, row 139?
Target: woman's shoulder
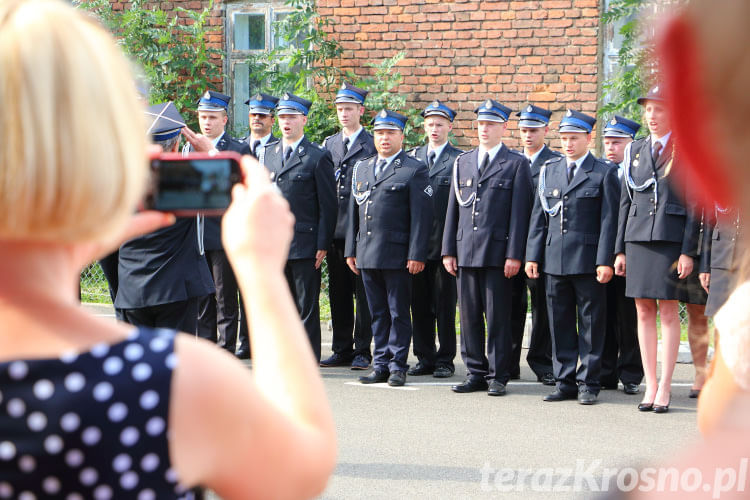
column 733, row 323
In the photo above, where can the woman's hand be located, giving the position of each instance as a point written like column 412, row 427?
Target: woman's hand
column 684, row 266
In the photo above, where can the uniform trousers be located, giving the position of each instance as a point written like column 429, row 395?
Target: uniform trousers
column 220, row 310
column 304, row 283
column 433, row 302
column 485, row 292
column 342, row 285
column 242, row 337
column 621, row 358
column 388, row 295
column 518, row 308
column 583, row 298
column 539, row 356
column 179, row 315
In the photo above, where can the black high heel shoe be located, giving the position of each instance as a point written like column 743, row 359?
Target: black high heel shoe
column 645, row 406
column 663, row 408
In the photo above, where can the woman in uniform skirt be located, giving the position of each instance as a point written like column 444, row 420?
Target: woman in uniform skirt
column 657, row 241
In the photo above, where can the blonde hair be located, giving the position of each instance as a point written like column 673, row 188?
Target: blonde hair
column 73, row 157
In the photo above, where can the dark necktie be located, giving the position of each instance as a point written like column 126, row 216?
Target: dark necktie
column 379, row 167
column 657, row 152
column 571, row 171
column 485, row 162
column 287, row 154
column 346, row 144
column 255, row 148
column 431, row 159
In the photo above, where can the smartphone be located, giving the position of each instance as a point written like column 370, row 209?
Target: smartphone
column 192, row 184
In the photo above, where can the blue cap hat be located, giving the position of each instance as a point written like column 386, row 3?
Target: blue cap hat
column 290, row 104
column 165, row 121
column 575, row 121
column 262, row 104
column 437, row 108
column 387, row 119
column 492, row 111
column 350, row 93
column 621, row 127
column 655, row 94
column 213, row 101
column 533, row 117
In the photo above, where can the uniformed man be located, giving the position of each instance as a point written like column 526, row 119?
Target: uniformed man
column 483, row 244
column 303, row 171
column 433, row 301
column 572, row 236
column 260, row 117
column 162, row 275
column 219, row 310
column 352, row 333
column 390, row 218
column 622, row 327
column 533, row 126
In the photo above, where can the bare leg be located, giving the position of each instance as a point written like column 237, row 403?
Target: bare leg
column 669, row 314
column 646, row 309
column 698, row 337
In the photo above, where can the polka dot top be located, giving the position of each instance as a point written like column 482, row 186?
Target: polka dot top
column 90, row 424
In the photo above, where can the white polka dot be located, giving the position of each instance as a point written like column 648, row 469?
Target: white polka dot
column 159, row 344
column 43, row 389
column 74, row 382
column 51, row 485
column 102, row 492
column 103, row 391
column 155, row 426
column 129, row 480
column 70, row 422
column 7, row 450
column 112, row 365
column 18, row 370
column 171, row 360
column 170, row 475
column 141, row 372
column 6, row 490
column 133, row 352
column 68, row 357
column 53, row 444
column 74, row 496
column 74, row 458
column 129, row 436
column 36, row 421
column 88, row 476
column 26, row 495
column 91, row 436
column 117, row 412
column 27, row 463
column 150, row 462
column 121, row 463
column 149, row 400
column 16, row 408
column 100, row 350
column 147, row 494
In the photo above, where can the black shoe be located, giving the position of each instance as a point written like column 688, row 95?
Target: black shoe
column 374, row 377
column 631, row 388
column 442, row 371
column 360, row 362
column 421, row 369
column 663, row 408
column 558, row 395
column 397, row 378
column 336, row 359
column 243, row 353
column 694, row 393
column 470, row 385
column 586, row 397
column 496, row 388
column 546, row 379
column 646, row 407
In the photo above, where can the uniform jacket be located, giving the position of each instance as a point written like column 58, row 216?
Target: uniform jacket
column 307, row 182
column 212, row 225
column 722, row 232
column 162, row 267
column 440, row 180
column 545, row 155
column 393, row 224
column 581, row 236
column 343, row 162
column 494, row 227
column 674, row 219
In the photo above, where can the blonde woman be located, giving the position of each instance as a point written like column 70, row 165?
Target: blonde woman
column 90, row 408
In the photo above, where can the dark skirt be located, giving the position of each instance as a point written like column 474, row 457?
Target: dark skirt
column 720, row 288
column 651, row 273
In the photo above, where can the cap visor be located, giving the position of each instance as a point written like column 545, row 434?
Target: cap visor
column 531, row 124
column 570, row 129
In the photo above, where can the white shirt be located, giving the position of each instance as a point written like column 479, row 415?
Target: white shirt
column 492, row 152
column 352, row 137
column 663, row 140
column 293, row 145
column 438, row 150
column 388, row 160
column 533, row 157
column 262, row 141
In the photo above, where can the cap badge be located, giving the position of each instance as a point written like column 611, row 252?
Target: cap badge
column 569, row 113
column 435, row 104
column 529, row 109
column 343, row 86
column 286, row 97
column 257, row 97
column 383, row 114
column 655, row 90
column 488, row 104
column 207, row 95
column 614, row 121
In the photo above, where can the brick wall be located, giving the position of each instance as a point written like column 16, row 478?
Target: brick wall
column 464, row 51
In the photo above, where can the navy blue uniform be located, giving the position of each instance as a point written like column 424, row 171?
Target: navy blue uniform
column 482, row 234
column 569, row 244
column 342, row 282
column 307, row 182
column 721, row 256
column 434, row 295
column 390, row 226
